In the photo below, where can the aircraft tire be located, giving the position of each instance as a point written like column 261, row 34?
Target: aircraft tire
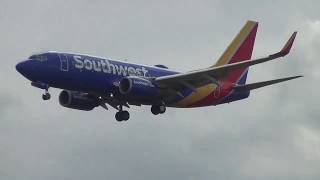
column 162, row 109
column 155, row 110
column 46, row 96
column 125, row 115
column 122, row 116
column 158, row 109
column 118, row 116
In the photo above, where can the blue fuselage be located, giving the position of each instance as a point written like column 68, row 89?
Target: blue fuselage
column 82, row 72
column 101, row 77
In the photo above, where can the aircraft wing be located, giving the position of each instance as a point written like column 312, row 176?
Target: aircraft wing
column 196, row 79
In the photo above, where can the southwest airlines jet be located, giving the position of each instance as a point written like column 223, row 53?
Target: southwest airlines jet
column 89, row 81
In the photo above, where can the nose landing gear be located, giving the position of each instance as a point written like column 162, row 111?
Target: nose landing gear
column 41, row 85
column 46, row 96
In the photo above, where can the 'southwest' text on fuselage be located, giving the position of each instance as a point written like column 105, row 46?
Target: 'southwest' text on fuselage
column 106, row 66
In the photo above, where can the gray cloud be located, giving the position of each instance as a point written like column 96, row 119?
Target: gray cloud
column 272, row 135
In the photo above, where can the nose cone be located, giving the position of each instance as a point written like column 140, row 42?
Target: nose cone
column 25, row 68
column 19, row 67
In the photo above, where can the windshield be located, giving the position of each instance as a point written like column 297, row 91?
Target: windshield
column 38, row 57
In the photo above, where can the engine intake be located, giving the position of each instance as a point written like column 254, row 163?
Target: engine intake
column 77, row 100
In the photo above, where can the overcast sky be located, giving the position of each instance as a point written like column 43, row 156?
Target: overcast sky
column 274, row 134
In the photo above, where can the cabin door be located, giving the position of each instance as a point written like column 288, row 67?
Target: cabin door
column 64, row 62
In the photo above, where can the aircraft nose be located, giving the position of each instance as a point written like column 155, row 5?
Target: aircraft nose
column 19, row 67
column 25, row 68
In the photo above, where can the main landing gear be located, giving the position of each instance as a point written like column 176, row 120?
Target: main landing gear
column 158, row 109
column 122, row 115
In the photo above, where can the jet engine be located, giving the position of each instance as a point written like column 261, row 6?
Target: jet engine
column 137, row 87
column 77, row 100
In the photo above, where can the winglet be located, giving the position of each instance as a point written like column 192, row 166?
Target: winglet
column 287, row 47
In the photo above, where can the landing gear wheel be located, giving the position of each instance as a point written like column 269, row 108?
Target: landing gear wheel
column 125, row 115
column 122, row 116
column 118, row 116
column 158, row 109
column 46, row 96
column 154, row 110
column 162, row 109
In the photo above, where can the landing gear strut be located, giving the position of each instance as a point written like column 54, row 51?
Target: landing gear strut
column 158, row 109
column 122, row 115
column 46, row 95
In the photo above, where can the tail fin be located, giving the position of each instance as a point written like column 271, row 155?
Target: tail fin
column 239, row 50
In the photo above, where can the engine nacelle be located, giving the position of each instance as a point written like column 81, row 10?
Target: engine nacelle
column 137, row 87
column 77, row 100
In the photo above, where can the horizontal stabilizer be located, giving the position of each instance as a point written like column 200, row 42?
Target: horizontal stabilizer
column 257, row 85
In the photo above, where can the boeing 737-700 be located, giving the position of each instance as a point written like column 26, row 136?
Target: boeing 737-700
column 88, row 81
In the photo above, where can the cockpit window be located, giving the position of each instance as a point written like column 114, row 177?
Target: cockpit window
column 38, row 57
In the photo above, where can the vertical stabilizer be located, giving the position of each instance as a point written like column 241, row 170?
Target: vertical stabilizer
column 239, row 50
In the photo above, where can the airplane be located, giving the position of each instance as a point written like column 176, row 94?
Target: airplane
column 89, row 81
